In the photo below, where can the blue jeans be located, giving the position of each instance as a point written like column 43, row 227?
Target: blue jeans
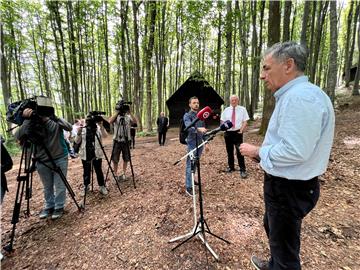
column 190, row 146
column 51, row 180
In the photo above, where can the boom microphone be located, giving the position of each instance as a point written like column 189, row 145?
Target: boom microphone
column 223, row 127
column 201, row 115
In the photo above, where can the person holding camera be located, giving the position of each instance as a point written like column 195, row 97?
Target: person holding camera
column 90, row 151
column 122, row 121
column 52, row 139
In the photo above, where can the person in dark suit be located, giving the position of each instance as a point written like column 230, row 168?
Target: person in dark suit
column 163, row 124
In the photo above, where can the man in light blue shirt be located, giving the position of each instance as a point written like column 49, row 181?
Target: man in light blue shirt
column 294, row 153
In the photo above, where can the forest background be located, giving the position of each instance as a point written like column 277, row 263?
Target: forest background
column 86, row 55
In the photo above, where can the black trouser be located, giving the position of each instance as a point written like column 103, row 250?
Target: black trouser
column 98, row 170
column 162, row 138
column 286, row 203
column 234, row 138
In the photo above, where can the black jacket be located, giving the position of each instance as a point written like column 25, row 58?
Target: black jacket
column 6, row 165
column 162, row 123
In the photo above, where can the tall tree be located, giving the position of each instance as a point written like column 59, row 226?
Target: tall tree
column 106, row 44
column 56, row 25
column 286, row 20
column 124, row 62
column 149, row 51
column 331, row 76
column 355, row 91
column 305, row 20
column 218, row 49
column 135, row 8
column 273, row 37
column 347, row 59
column 73, row 61
column 353, row 39
column 321, row 15
column 4, row 83
column 228, row 33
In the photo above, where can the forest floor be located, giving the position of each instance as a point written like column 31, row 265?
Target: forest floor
column 132, row 230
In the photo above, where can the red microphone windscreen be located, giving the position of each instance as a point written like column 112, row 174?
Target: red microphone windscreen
column 204, row 113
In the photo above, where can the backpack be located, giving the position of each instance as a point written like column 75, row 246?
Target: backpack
column 182, row 134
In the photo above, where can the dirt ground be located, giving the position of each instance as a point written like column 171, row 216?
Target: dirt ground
column 132, row 230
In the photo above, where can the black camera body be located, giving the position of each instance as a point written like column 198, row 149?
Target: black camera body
column 96, row 117
column 40, row 105
column 123, row 107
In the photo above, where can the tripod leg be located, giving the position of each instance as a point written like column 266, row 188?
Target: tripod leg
column 108, row 162
column 131, row 166
column 68, row 187
column 16, row 212
column 92, row 175
column 187, row 239
column 209, row 232
column 130, row 161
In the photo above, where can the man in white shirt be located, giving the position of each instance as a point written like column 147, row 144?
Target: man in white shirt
column 238, row 115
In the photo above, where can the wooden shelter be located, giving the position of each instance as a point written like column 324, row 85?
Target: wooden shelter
column 197, row 86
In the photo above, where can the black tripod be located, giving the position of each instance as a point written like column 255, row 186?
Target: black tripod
column 200, row 227
column 92, row 166
column 122, row 124
column 25, row 182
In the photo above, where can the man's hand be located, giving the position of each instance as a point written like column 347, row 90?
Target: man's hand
column 249, row 150
column 27, row 113
column 202, row 130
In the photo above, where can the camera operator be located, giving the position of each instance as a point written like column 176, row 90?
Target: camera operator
column 90, row 151
column 54, row 141
column 122, row 121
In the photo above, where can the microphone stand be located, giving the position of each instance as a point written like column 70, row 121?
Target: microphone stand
column 200, row 226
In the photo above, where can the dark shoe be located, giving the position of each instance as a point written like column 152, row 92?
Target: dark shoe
column 230, row 170
column 189, row 192
column 57, row 213
column 243, row 174
column 259, row 264
column 45, row 213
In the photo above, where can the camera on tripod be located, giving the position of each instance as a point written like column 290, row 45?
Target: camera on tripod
column 95, row 117
column 122, row 107
column 41, row 106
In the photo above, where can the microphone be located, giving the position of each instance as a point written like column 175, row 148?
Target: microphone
column 223, row 127
column 201, row 115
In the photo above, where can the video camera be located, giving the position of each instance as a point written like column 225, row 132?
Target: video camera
column 41, row 106
column 123, row 107
column 96, row 117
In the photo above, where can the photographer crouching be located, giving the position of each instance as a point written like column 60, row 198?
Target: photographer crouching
column 89, row 138
column 45, row 131
column 122, row 121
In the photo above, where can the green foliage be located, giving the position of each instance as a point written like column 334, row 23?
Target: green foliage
column 12, row 146
column 146, row 134
column 190, row 42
